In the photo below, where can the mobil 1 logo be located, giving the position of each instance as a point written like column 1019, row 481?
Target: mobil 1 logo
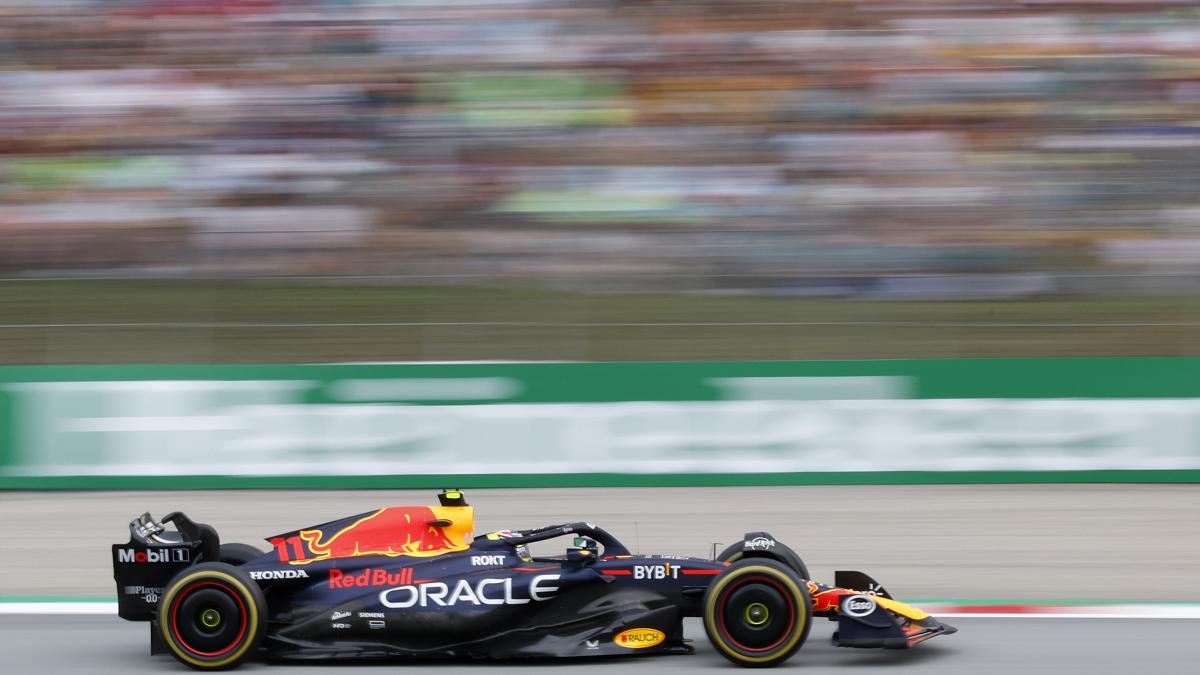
column 153, row 555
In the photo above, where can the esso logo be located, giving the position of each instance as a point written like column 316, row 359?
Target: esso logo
column 858, row 605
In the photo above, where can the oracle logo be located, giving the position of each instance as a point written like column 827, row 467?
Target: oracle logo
column 541, row 588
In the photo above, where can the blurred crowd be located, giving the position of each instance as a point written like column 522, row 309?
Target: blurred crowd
column 873, row 147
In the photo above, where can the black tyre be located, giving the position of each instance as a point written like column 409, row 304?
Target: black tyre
column 735, row 552
column 238, row 554
column 757, row 613
column 212, row 616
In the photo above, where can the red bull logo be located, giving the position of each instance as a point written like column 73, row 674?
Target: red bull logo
column 370, row 577
column 394, row 531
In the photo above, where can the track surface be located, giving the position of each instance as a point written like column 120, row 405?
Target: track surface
column 100, row 645
column 1043, row 542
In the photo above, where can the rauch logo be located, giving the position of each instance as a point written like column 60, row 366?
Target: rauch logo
column 639, row 638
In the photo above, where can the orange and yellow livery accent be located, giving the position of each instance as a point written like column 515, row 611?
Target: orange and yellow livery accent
column 417, row 531
column 827, row 600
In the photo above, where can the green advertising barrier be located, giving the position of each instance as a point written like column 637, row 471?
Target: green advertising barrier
column 580, row 424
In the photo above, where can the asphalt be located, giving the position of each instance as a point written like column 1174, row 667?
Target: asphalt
column 102, row 645
column 1021, row 542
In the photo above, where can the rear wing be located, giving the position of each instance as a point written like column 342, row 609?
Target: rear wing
column 143, row 566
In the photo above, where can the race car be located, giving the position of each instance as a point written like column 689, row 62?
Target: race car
column 411, row 581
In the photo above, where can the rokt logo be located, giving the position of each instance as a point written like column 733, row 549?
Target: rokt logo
column 483, row 560
column 639, row 638
column 165, row 555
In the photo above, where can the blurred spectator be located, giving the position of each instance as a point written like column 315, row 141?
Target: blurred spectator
column 776, row 145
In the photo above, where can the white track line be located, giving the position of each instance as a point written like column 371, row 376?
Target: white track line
column 58, row 608
column 1126, row 611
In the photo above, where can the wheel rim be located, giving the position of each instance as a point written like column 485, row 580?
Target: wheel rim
column 209, row 619
column 756, row 614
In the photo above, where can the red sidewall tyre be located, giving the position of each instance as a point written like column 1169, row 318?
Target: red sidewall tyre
column 212, row 616
column 757, row 613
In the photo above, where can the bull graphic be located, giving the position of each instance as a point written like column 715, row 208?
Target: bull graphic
column 391, row 531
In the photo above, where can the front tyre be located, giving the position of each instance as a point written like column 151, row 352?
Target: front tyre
column 757, row 613
column 212, row 616
column 736, row 551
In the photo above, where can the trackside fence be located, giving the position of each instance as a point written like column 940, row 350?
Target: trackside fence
column 568, row 424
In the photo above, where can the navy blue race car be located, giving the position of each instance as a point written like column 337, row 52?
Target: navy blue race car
column 412, row 581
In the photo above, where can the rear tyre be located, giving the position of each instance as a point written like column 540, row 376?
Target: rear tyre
column 757, row 613
column 735, row 552
column 213, row 616
column 238, row 554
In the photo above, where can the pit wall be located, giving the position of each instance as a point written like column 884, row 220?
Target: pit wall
column 573, row 424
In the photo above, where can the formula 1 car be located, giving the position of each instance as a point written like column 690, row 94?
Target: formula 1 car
column 410, row 581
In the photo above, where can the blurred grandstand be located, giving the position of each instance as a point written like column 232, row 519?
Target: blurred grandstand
column 940, row 149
